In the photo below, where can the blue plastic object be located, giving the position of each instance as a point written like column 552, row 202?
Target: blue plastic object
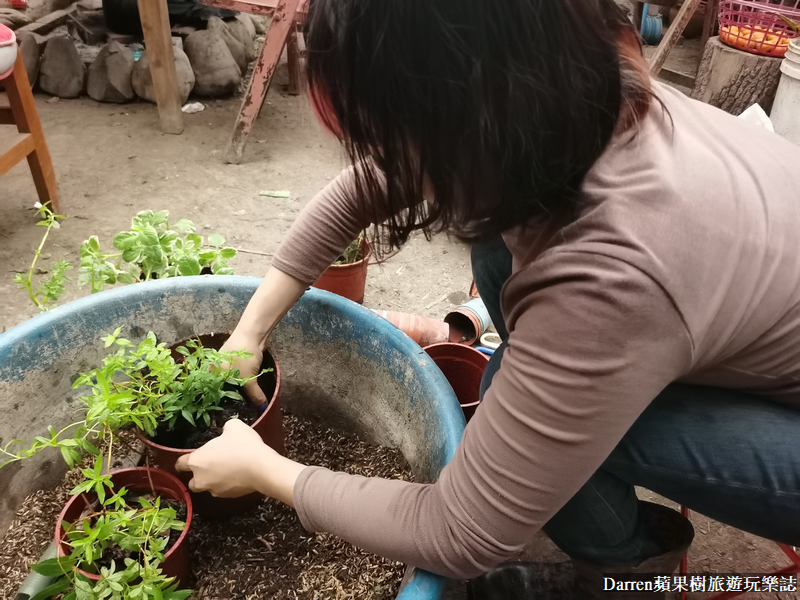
column 652, row 27
column 337, row 359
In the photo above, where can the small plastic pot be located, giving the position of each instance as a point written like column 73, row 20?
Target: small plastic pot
column 421, row 329
column 463, row 367
column 137, row 479
column 349, row 281
column 269, row 426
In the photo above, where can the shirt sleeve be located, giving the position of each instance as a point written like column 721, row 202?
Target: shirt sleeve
column 593, row 341
column 325, row 227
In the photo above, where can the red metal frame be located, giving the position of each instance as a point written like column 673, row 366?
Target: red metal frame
column 788, row 550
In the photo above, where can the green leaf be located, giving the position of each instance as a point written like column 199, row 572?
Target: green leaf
column 216, row 240
column 195, row 239
column 125, row 240
column 228, row 253
column 189, row 265
column 100, row 490
column 148, row 237
column 53, row 567
column 126, row 278
column 131, row 255
column 54, row 589
column 185, row 225
column 67, row 455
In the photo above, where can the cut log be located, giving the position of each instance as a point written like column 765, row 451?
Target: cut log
column 734, row 80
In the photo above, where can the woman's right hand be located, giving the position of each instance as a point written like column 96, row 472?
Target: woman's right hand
column 248, row 367
column 273, row 299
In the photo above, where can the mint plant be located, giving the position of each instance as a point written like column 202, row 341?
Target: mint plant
column 50, row 290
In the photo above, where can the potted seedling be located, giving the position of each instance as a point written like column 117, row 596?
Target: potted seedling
column 193, row 390
column 348, row 275
column 122, row 534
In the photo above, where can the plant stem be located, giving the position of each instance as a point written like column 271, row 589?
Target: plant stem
column 29, row 283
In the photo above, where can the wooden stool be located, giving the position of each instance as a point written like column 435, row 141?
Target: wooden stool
column 18, row 108
column 287, row 17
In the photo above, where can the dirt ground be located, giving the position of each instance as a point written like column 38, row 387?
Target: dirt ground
column 112, row 161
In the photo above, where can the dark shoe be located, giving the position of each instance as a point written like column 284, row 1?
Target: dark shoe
column 675, row 536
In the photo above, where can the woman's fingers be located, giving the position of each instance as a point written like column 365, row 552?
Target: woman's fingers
column 182, row 464
column 255, row 393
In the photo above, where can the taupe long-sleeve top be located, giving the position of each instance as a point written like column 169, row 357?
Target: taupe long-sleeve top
column 684, row 264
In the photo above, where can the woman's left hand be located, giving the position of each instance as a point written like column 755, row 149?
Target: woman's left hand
column 238, row 463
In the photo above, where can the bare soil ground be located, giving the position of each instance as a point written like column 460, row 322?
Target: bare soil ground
column 112, row 161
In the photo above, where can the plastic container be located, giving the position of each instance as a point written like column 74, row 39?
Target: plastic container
column 468, row 322
column 756, row 26
column 348, row 281
column 463, row 367
column 785, row 115
column 8, row 51
column 138, row 479
column 269, row 426
column 652, row 27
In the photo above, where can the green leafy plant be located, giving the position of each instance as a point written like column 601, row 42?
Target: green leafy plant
column 354, row 252
column 49, row 290
column 141, row 386
column 153, row 250
column 113, row 527
column 136, row 386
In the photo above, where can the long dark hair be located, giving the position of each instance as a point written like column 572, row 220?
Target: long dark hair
column 503, row 105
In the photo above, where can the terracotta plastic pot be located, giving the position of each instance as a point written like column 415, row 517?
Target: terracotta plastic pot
column 463, row 367
column 421, row 329
column 349, row 281
column 269, row 426
column 137, row 479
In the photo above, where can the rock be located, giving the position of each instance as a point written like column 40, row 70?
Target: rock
column 142, row 80
column 110, row 74
column 61, row 72
column 247, row 21
column 241, row 32
column 216, row 72
column 234, row 45
column 261, row 24
column 31, row 53
column 13, row 18
column 177, row 42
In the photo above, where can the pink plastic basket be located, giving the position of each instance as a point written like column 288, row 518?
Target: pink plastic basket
column 756, row 26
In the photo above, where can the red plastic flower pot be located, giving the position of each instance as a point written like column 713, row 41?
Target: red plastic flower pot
column 269, row 426
column 137, row 479
column 348, row 281
column 463, row 367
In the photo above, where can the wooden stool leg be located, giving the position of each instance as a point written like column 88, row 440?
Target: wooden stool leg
column 26, row 117
column 294, row 63
column 282, row 22
column 158, row 41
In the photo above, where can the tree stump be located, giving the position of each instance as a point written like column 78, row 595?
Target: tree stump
column 734, row 80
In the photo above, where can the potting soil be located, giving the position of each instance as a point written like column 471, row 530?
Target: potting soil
column 263, row 554
column 186, row 435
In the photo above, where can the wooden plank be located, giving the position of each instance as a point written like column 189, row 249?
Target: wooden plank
column 282, row 23
column 14, row 149
column 49, row 22
column 677, row 77
column 673, row 35
column 294, row 63
column 158, row 42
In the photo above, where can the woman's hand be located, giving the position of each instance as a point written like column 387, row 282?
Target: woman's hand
column 238, row 463
column 248, row 367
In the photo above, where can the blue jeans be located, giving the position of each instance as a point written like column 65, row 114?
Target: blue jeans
column 731, row 456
